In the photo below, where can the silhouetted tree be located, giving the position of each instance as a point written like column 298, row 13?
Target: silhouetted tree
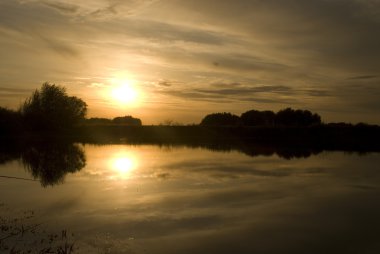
column 225, row 118
column 291, row 117
column 127, row 120
column 258, row 118
column 50, row 108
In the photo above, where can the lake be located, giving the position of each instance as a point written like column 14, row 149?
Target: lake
column 177, row 199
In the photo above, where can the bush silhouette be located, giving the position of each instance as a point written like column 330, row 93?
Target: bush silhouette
column 291, row 117
column 221, row 119
column 127, row 120
column 50, row 108
column 258, row 118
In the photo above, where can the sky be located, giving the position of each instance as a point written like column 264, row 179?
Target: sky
column 179, row 60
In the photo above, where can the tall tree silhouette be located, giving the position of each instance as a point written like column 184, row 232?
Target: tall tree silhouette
column 50, row 108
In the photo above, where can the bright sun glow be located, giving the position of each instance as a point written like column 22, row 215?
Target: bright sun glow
column 124, row 92
column 124, row 164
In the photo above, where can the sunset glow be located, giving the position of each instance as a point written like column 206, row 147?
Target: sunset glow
column 181, row 60
column 190, row 126
column 123, row 92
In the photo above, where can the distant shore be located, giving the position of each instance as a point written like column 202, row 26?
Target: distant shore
column 352, row 137
column 355, row 137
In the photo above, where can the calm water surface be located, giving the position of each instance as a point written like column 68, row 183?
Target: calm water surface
column 151, row 199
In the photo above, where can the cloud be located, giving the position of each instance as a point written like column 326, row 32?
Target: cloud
column 94, row 9
column 248, row 90
column 61, row 7
column 222, row 99
column 37, row 28
column 60, row 47
column 108, row 10
column 160, row 31
column 116, row 9
column 317, row 92
column 245, row 62
column 364, row 77
column 230, row 92
column 13, row 97
column 225, row 85
column 336, row 33
column 165, row 83
column 197, row 96
column 14, row 92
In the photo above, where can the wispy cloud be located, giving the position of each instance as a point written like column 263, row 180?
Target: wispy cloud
column 248, row 94
column 61, row 6
column 248, row 90
column 7, row 94
column 14, row 90
column 64, row 49
column 364, row 77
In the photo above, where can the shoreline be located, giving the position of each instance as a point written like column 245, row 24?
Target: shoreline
column 321, row 137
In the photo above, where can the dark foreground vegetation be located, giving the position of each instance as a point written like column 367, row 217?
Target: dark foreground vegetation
column 51, row 113
column 21, row 232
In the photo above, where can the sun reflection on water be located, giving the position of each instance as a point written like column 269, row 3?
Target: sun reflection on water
column 123, row 164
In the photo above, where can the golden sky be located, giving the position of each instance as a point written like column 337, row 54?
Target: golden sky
column 180, row 60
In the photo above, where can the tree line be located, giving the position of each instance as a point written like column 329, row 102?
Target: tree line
column 51, row 109
column 120, row 120
column 284, row 117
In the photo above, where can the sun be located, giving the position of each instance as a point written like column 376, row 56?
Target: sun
column 124, row 92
